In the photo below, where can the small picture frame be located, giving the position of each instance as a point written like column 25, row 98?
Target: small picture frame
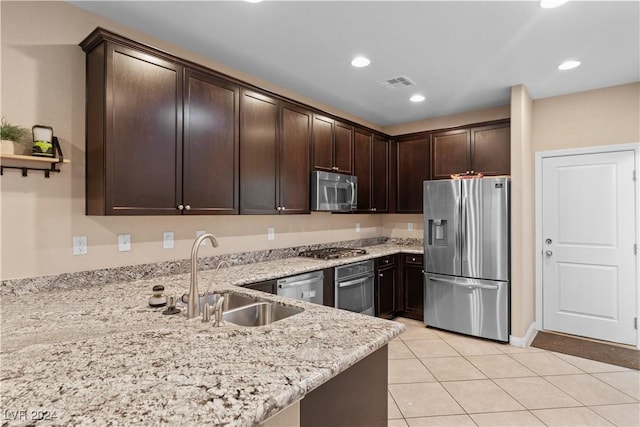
column 42, row 141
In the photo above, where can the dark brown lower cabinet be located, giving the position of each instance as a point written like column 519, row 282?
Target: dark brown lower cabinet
column 413, row 286
column 387, row 284
column 355, row 397
column 268, row 286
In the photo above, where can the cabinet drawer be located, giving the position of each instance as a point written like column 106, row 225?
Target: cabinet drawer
column 386, row 261
column 413, row 259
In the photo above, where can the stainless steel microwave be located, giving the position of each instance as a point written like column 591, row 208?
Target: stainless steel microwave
column 333, row 192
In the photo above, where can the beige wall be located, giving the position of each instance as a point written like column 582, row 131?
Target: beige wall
column 461, row 119
column 42, row 73
column 596, row 117
column 605, row 116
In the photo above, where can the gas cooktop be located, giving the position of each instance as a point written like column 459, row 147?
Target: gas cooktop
column 332, row 253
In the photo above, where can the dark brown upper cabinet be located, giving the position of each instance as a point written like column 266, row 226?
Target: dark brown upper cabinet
column 484, row 149
column 450, row 153
column 295, row 159
column 413, row 168
column 491, row 149
column 211, row 145
column 156, row 133
column 332, row 145
column 275, row 140
column 371, row 166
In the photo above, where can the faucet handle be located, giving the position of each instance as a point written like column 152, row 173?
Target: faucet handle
column 206, row 312
column 217, row 312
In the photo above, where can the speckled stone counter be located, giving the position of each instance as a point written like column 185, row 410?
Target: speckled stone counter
column 102, row 355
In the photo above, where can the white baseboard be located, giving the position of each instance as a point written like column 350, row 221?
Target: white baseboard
column 524, row 342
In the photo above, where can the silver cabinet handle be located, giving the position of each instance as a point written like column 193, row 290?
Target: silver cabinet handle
column 548, row 253
column 187, row 208
column 283, row 208
column 180, row 207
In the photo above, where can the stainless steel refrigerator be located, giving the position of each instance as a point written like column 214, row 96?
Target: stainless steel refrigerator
column 467, row 257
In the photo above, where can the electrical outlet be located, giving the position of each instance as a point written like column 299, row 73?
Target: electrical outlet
column 357, row 227
column 124, row 242
column 271, row 233
column 79, row 245
column 410, row 226
column 167, row 240
column 200, row 233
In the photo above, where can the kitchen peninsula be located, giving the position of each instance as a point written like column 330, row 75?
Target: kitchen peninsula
column 100, row 354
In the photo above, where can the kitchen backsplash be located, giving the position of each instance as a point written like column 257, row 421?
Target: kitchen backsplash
column 84, row 279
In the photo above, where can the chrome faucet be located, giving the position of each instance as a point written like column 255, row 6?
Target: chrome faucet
column 193, row 308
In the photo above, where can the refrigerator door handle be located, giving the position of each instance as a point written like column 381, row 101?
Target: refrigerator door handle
column 454, row 283
column 456, row 221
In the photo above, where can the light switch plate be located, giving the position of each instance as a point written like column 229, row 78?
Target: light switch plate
column 271, row 233
column 357, row 227
column 410, row 226
column 79, row 245
column 124, row 242
column 167, row 240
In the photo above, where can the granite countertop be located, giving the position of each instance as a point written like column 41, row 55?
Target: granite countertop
column 102, row 355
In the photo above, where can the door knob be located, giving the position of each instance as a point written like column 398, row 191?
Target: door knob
column 548, row 241
column 548, row 253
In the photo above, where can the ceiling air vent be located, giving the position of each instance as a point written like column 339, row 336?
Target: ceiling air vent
column 396, row 82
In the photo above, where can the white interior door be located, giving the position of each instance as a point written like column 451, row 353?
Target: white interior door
column 588, row 231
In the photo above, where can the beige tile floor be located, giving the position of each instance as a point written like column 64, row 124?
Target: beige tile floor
column 438, row 378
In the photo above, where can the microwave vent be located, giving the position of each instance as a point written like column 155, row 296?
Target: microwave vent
column 396, row 82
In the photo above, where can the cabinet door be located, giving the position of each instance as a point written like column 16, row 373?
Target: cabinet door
column 143, row 137
column 450, row 153
column 387, row 292
column 413, row 292
column 322, row 143
column 413, row 169
column 362, row 168
column 491, row 149
column 259, row 148
column 343, row 148
column 295, row 153
column 380, row 174
column 211, row 120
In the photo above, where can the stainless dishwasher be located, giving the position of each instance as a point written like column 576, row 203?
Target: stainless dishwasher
column 305, row 287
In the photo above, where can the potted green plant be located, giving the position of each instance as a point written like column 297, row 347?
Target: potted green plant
column 11, row 136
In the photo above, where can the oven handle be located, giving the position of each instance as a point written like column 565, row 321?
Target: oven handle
column 355, row 282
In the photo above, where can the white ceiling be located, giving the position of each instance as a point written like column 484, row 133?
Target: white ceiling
column 461, row 55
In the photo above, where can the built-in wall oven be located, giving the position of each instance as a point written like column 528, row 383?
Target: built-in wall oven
column 354, row 286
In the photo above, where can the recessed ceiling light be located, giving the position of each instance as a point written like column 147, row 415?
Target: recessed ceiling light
column 253, row 1
column 417, row 98
column 549, row 4
column 360, row 61
column 569, row 65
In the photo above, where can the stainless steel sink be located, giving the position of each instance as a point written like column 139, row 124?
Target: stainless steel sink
column 259, row 313
column 231, row 301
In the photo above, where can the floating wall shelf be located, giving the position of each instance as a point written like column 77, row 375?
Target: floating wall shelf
column 26, row 163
